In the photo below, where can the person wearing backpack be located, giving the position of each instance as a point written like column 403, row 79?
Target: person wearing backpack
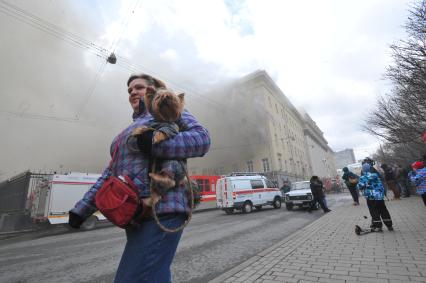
column 390, row 180
column 351, row 180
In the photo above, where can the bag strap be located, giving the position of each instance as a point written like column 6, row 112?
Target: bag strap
column 114, row 154
column 154, row 213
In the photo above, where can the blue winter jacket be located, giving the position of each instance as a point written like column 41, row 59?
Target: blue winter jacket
column 419, row 180
column 372, row 186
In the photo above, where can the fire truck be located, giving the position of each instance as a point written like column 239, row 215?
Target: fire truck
column 207, row 186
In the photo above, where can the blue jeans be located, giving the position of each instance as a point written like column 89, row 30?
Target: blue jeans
column 149, row 251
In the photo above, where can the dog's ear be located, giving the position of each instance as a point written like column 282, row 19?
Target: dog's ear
column 181, row 98
column 149, row 95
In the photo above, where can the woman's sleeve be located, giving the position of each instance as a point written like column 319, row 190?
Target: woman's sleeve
column 193, row 141
column 86, row 206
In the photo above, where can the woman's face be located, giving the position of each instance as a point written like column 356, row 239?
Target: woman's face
column 136, row 90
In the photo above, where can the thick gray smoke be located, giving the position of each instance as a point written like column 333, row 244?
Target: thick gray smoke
column 61, row 104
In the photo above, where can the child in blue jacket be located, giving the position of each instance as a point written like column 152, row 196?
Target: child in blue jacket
column 374, row 194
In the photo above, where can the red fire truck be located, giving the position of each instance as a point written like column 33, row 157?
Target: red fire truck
column 207, row 185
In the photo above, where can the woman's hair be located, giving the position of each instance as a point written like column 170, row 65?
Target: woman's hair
column 149, row 79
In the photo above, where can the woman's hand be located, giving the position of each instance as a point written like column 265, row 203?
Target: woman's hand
column 75, row 220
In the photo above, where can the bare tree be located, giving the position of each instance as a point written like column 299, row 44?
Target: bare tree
column 400, row 117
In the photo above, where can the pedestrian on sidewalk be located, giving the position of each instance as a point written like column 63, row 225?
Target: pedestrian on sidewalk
column 317, row 190
column 390, row 180
column 402, row 180
column 374, row 194
column 149, row 250
column 418, row 178
column 351, row 180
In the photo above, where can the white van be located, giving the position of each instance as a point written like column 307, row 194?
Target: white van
column 243, row 191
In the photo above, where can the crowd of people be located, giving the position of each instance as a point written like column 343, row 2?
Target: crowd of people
column 375, row 184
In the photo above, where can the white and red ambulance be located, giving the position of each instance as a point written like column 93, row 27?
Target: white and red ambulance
column 243, row 191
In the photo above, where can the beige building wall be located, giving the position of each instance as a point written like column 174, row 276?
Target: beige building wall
column 259, row 131
column 321, row 156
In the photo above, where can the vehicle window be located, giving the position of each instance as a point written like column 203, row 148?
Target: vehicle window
column 270, row 184
column 300, row 186
column 256, row 184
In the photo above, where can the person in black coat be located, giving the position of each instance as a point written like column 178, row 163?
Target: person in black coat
column 317, row 190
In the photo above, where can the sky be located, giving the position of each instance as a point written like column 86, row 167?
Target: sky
column 61, row 104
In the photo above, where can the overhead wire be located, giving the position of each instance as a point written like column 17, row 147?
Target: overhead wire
column 80, row 42
column 52, row 29
column 115, row 43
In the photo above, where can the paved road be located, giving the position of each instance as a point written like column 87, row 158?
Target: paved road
column 213, row 243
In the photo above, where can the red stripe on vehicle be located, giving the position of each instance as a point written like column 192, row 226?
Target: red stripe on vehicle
column 256, row 191
column 73, row 183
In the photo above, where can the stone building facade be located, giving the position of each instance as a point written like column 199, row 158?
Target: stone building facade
column 259, row 130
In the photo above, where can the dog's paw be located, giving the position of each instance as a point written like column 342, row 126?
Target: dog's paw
column 162, row 183
column 159, row 137
column 140, row 130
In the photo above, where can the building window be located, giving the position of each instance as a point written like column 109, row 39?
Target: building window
column 265, row 164
column 250, row 166
column 280, row 161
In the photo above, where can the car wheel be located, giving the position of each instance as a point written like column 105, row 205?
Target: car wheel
column 258, row 207
column 90, row 223
column 229, row 211
column 247, row 207
column 289, row 206
column 277, row 203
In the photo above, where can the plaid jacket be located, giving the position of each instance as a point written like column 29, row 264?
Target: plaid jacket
column 193, row 142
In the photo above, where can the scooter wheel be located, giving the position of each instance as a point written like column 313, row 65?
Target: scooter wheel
column 358, row 230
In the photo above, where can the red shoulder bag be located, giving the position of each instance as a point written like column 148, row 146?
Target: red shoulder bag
column 118, row 200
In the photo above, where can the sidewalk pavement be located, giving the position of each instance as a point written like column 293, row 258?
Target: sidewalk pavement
column 328, row 250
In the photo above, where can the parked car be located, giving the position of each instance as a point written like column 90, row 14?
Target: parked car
column 300, row 195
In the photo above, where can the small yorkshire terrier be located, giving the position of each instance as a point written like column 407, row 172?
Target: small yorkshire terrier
column 166, row 107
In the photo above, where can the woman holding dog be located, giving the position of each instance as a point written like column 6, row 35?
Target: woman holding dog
column 149, row 250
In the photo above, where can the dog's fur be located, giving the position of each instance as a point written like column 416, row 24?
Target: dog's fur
column 165, row 106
